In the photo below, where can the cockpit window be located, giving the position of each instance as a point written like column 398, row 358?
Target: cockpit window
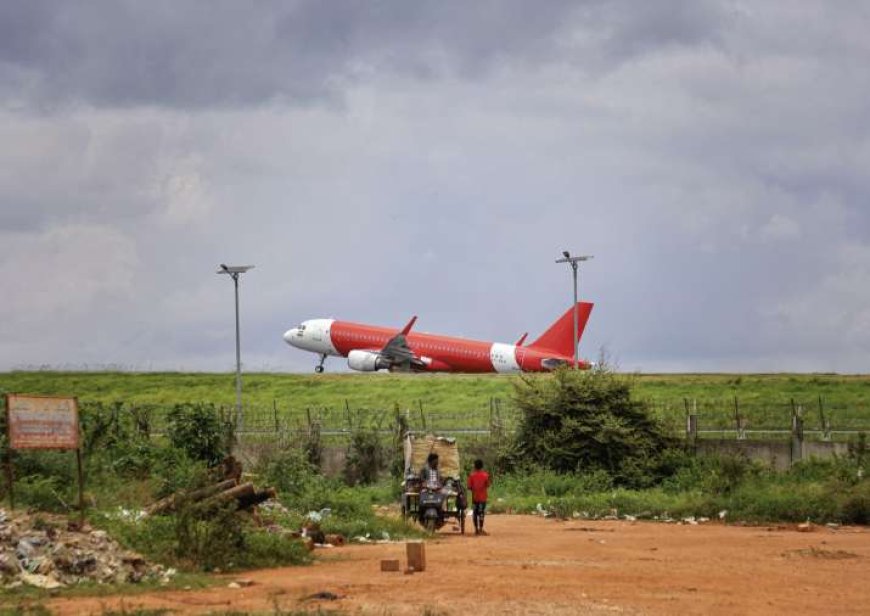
column 301, row 327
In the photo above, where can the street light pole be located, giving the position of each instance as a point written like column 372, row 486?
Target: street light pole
column 234, row 271
column 572, row 261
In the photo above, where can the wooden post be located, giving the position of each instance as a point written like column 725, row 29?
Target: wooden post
column 826, row 424
column 10, row 476
column 81, row 486
column 797, row 437
column 692, row 429
column 416, row 551
column 422, row 415
column 275, row 415
column 741, row 432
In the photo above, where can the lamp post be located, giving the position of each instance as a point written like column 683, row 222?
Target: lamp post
column 572, row 261
column 234, row 271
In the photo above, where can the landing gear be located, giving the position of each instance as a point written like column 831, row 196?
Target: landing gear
column 319, row 367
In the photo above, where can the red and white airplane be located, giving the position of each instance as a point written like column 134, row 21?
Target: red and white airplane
column 369, row 348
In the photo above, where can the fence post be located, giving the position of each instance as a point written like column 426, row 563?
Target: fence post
column 826, row 423
column 308, row 418
column 797, row 436
column 275, row 413
column 422, row 415
column 741, row 428
column 692, row 429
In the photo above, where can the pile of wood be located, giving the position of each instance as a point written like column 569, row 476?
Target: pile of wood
column 218, row 494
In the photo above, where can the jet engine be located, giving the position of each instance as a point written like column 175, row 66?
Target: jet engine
column 366, row 361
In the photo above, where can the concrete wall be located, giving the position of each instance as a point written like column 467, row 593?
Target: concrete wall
column 777, row 454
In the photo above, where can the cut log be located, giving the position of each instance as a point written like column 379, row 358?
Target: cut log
column 246, row 490
column 170, row 503
column 248, row 501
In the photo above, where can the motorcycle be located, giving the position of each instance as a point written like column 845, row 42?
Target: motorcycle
column 433, row 505
column 430, row 509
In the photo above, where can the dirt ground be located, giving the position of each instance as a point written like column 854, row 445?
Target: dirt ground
column 529, row 565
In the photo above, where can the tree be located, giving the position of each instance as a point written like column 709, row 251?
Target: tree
column 586, row 421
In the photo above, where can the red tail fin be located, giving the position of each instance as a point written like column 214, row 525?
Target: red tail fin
column 558, row 337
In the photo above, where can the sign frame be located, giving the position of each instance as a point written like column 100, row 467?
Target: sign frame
column 68, row 441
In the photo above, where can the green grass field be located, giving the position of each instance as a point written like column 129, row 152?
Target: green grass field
column 464, row 400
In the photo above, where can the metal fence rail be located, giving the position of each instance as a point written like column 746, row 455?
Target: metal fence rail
column 692, row 418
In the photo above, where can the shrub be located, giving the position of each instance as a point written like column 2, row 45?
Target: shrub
column 289, row 471
column 366, row 457
column 209, row 536
column 198, row 430
column 588, row 421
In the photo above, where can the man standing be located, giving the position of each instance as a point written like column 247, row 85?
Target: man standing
column 478, row 483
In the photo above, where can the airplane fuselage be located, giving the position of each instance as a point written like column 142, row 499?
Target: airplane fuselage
column 362, row 344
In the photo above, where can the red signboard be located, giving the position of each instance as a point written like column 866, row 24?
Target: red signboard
column 39, row 422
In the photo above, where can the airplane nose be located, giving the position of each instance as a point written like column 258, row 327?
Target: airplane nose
column 291, row 335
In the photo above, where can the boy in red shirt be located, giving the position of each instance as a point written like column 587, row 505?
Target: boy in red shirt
column 478, row 482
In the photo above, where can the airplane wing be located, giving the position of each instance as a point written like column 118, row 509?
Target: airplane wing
column 398, row 351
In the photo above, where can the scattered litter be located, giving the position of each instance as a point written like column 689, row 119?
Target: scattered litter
column 40, row 581
column 274, row 506
column 319, row 516
column 234, row 585
column 722, row 514
column 128, row 515
column 47, row 552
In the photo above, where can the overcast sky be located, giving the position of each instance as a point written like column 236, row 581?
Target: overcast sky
column 381, row 159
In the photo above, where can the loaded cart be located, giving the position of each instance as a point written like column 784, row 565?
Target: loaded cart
column 432, row 501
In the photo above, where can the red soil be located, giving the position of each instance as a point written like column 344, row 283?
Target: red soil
column 528, row 565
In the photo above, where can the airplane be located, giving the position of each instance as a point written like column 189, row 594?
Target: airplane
column 370, row 348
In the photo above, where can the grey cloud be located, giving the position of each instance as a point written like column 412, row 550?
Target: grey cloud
column 713, row 162
column 207, row 54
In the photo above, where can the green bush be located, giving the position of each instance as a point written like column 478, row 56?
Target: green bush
column 366, row 457
column 198, row 430
column 289, row 471
column 174, row 471
column 587, row 421
column 209, row 537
